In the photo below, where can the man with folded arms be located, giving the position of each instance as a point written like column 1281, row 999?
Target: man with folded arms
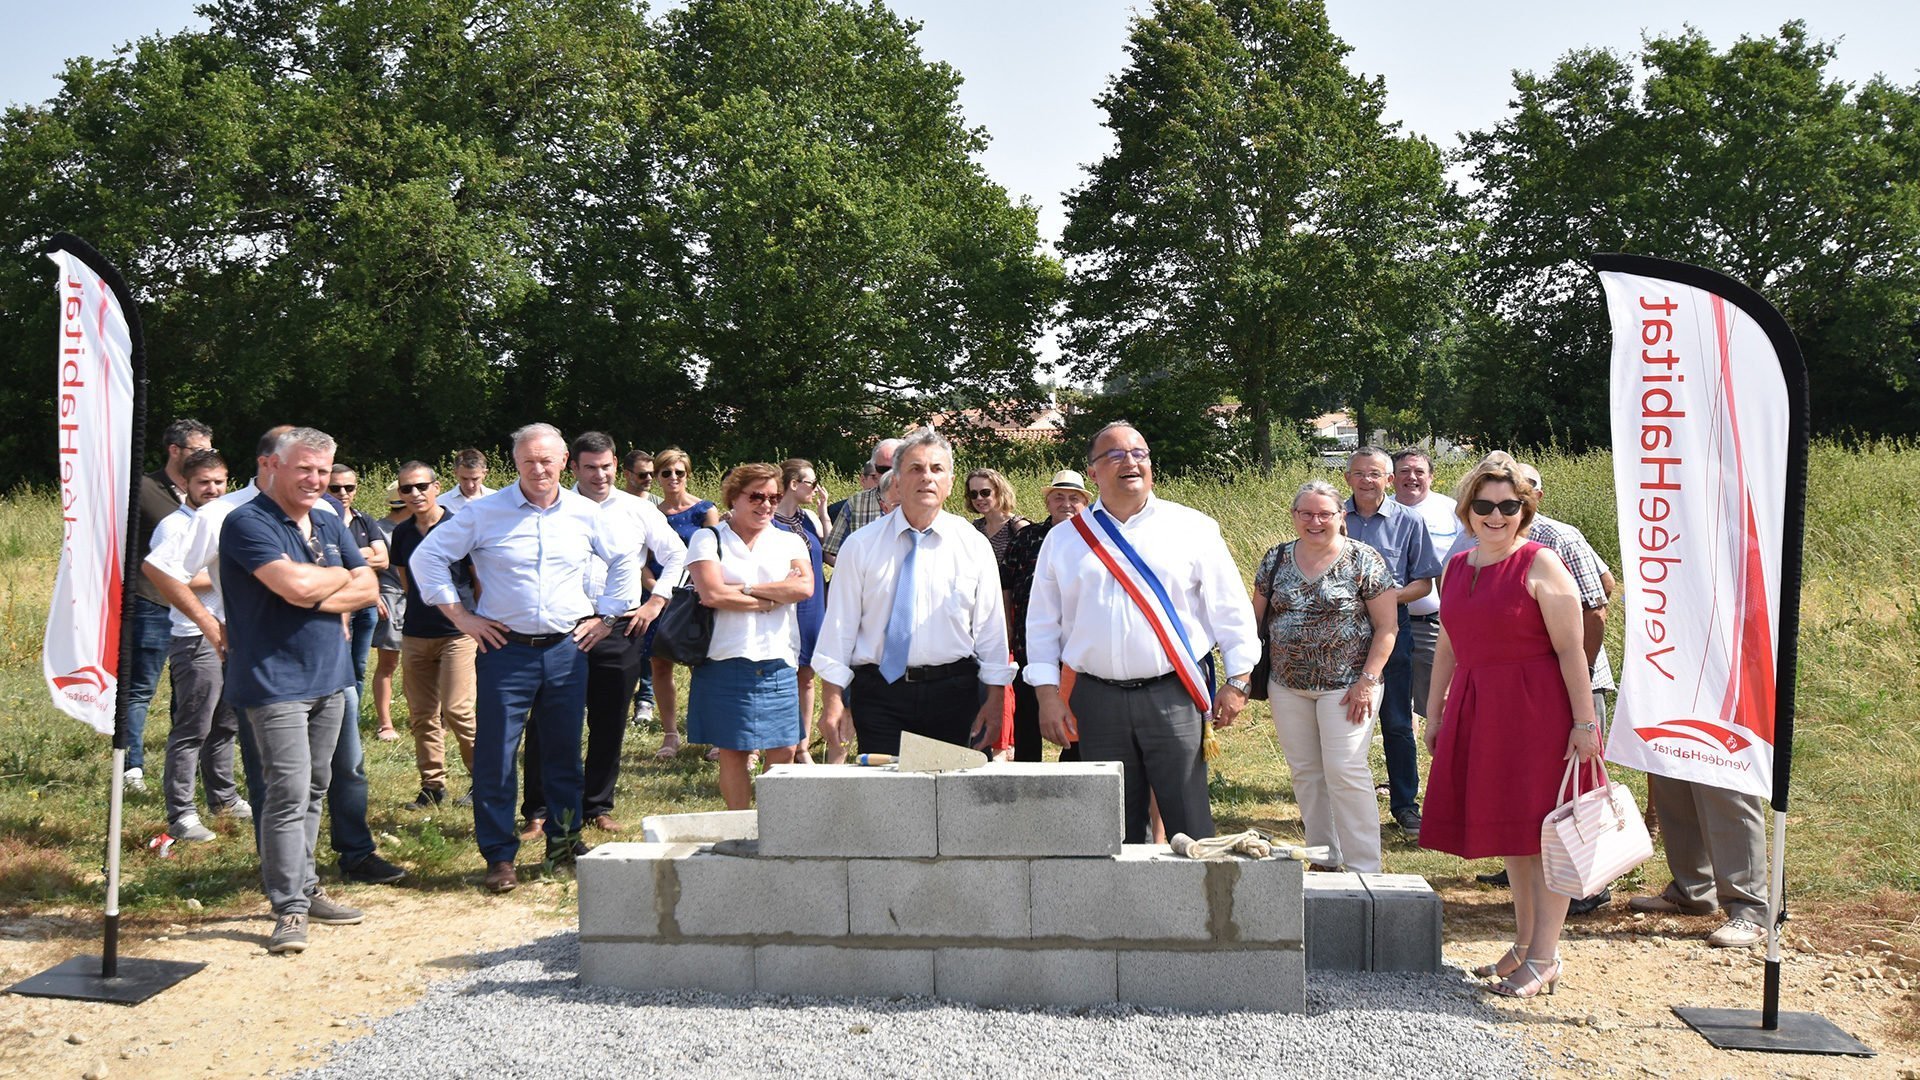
column 1130, row 700
column 289, row 577
column 535, row 622
column 916, row 626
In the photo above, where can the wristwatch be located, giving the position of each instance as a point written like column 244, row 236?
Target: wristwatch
column 1242, row 685
column 609, row 621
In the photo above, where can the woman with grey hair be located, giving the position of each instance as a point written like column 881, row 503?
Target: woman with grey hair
column 1327, row 604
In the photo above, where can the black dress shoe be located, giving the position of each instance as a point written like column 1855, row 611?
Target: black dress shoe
column 1587, row 904
column 372, row 870
column 1498, row 877
column 562, row 851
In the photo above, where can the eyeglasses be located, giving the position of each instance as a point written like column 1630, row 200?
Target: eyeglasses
column 1507, row 507
column 1316, row 515
column 673, row 472
column 980, row 493
column 413, row 489
column 343, row 489
column 1120, row 456
column 637, row 475
column 759, row 498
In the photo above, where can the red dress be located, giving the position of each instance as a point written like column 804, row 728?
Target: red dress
column 1503, row 741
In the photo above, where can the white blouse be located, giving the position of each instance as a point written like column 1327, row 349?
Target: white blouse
column 752, row 635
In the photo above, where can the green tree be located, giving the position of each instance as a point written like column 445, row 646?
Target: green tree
column 1257, row 226
column 1752, row 162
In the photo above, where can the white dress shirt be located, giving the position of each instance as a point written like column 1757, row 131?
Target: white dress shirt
column 1078, row 613
column 533, row 563
column 957, row 608
column 642, row 525
column 169, row 548
column 752, row 635
column 453, row 500
column 1443, row 527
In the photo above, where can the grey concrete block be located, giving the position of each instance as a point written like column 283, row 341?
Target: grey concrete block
column 638, row 965
column 834, row 971
column 1267, row 980
column 1026, row 976
column 1143, row 894
column 938, row 898
column 621, row 888
column 1267, row 902
column 1032, row 809
column 846, row 811
column 1339, row 923
column 705, row 828
column 1406, row 922
column 726, row 895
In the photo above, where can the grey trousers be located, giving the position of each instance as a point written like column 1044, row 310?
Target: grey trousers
column 1716, row 847
column 1425, row 632
column 1154, row 732
column 201, row 738
column 296, row 741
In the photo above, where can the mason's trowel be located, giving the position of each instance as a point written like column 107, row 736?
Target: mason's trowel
column 921, row 754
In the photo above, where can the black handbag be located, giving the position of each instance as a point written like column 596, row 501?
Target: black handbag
column 1263, row 669
column 684, row 631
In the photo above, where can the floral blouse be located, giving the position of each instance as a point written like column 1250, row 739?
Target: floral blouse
column 1318, row 628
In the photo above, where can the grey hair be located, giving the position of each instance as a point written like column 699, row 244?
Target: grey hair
column 890, row 446
column 1095, row 441
column 919, row 437
column 538, row 431
column 1371, row 451
column 302, row 438
column 1321, row 487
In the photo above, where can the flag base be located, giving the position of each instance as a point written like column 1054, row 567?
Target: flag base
column 79, row 979
column 1798, row 1033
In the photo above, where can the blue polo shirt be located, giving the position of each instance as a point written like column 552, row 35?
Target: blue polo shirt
column 1400, row 536
column 275, row 651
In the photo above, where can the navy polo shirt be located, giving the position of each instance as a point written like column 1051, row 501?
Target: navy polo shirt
column 1400, row 535
column 275, row 651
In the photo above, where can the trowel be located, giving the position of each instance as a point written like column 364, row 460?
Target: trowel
column 921, row 754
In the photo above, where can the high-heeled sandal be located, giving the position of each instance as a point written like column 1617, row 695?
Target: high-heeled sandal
column 1492, row 971
column 1542, row 982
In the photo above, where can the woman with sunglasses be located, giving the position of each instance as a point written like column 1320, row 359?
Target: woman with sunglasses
column 991, row 496
column 802, row 499
column 744, row 698
column 687, row 513
column 1510, row 688
column 1329, row 610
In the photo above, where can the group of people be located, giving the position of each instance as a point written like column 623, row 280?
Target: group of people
column 521, row 619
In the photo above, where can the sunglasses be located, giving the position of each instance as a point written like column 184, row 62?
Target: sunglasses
column 413, row 489
column 759, row 498
column 1119, row 456
column 981, row 493
column 673, row 472
column 343, row 489
column 807, row 480
column 1507, row 507
column 648, row 475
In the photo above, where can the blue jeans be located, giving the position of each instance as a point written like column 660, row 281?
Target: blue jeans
column 643, row 690
column 360, row 628
column 519, row 684
column 152, row 640
column 1396, row 723
column 349, row 835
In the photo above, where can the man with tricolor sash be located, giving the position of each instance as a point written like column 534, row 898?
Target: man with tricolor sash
column 1134, row 595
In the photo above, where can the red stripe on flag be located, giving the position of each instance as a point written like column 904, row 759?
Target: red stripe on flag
column 1166, row 644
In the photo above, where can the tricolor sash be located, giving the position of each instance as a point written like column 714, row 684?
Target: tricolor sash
column 1146, row 592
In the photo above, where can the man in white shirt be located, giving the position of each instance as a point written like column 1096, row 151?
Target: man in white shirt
column 470, row 472
column 613, row 665
column 532, row 545
column 1413, row 489
column 1130, row 702
column 916, row 626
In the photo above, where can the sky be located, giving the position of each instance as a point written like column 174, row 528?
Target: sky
column 1033, row 67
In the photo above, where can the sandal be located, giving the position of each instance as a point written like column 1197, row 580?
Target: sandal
column 1493, row 970
column 1542, row 983
column 669, row 749
column 713, row 754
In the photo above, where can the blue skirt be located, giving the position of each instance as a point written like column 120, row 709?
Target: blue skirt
column 742, row 704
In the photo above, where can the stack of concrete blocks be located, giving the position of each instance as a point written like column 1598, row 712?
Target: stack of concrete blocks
column 1002, row 885
column 1372, row 922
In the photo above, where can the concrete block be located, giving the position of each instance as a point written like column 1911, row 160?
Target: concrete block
column 640, row 965
column 939, row 898
column 1267, row 902
column 1026, row 976
column 834, row 971
column 726, row 895
column 1406, row 922
column 621, row 886
column 1339, row 923
column 1267, row 980
column 1143, row 894
column 1032, row 809
column 700, row 828
column 845, row 811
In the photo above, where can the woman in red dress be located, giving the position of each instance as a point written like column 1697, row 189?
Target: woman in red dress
column 1510, row 686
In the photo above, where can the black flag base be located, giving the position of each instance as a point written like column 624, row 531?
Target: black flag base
column 1798, row 1033
column 135, row 979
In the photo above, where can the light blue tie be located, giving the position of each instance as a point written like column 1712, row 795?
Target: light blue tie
column 893, row 657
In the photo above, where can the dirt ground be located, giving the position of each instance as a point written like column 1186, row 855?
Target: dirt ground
column 251, row 1014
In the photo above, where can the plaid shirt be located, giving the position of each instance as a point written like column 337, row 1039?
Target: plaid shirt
column 861, row 510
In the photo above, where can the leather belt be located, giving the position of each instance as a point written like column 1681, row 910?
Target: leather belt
column 1126, row 684
column 536, row 641
column 1431, row 616
column 935, row 672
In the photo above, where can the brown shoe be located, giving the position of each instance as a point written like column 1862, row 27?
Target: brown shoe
column 533, row 828
column 501, row 878
column 605, row 823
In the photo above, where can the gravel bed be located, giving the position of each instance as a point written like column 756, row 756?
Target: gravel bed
column 524, row 1015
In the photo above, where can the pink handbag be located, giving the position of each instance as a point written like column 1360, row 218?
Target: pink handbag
column 1593, row 837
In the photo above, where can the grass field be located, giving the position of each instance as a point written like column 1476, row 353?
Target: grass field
column 1854, row 837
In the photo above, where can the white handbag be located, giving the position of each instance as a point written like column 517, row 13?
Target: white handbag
column 1592, row 837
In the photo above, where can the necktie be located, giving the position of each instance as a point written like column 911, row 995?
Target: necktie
column 893, row 656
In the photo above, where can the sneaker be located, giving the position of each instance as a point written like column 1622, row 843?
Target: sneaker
column 189, row 830
column 643, row 714
column 327, row 911
column 134, row 780
column 372, row 870
column 428, row 799
column 1737, row 934
column 238, row 810
column 1660, row 904
column 289, row 935
column 1409, row 822
column 1588, row 904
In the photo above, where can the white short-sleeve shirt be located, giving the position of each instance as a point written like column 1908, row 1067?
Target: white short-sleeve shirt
column 752, row 635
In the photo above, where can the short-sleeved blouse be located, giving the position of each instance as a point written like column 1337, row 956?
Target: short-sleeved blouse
column 752, row 635
column 1318, row 628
